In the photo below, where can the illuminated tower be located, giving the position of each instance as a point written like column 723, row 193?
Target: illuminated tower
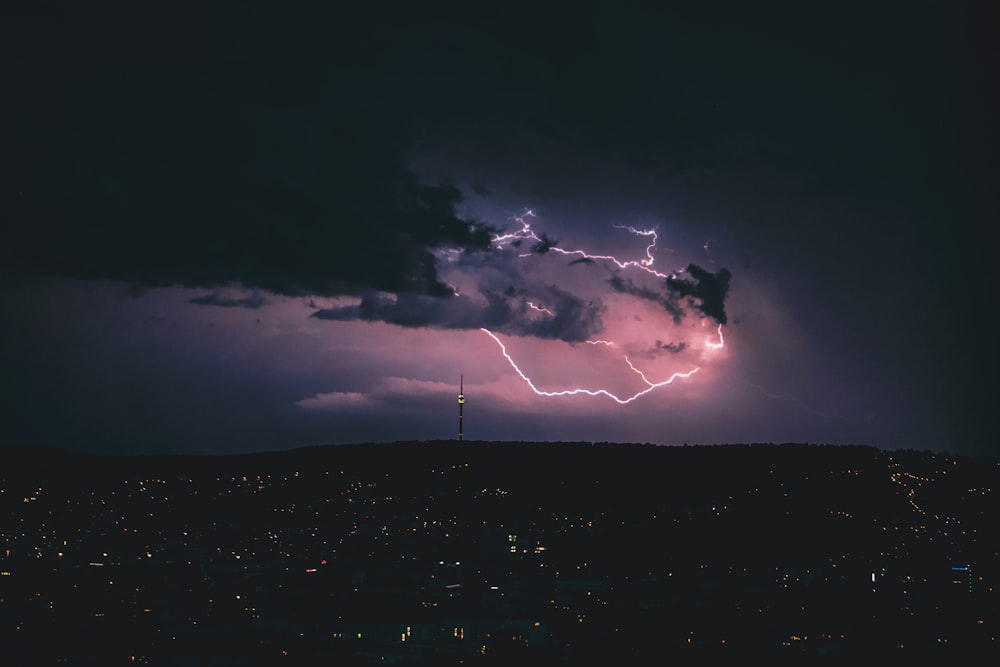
column 461, row 403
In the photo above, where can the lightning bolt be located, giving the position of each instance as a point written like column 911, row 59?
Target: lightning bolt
column 716, row 346
column 544, row 245
column 650, row 386
column 527, row 233
column 541, row 309
column 646, row 264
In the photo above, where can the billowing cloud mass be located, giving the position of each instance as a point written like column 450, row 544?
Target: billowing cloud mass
column 164, row 163
column 707, row 292
column 666, row 299
column 566, row 316
column 672, row 348
column 252, row 302
column 361, row 232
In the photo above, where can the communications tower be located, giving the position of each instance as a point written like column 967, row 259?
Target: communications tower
column 461, row 403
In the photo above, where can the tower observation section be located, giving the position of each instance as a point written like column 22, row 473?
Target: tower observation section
column 461, row 403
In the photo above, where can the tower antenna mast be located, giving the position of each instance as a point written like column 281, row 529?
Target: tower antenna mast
column 461, row 403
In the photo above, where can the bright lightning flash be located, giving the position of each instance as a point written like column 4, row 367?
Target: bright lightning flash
column 709, row 343
column 650, row 386
column 527, row 233
column 545, row 245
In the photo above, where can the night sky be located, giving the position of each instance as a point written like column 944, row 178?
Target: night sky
column 258, row 226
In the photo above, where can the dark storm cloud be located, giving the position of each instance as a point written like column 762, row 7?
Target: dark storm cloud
column 667, row 300
column 365, row 223
column 569, row 317
column 268, row 147
column 672, row 348
column 543, row 245
column 178, row 152
column 252, row 302
column 658, row 349
column 707, row 292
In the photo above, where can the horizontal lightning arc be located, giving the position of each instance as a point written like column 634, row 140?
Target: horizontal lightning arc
column 589, row 392
column 526, row 233
column 541, row 309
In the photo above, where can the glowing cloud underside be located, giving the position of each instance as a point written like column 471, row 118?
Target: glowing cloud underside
column 650, row 386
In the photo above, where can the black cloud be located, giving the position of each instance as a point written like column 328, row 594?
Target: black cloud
column 673, row 348
column 195, row 156
column 707, row 292
column 668, row 300
column 252, row 302
column 659, row 348
column 543, row 245
column 571, row 319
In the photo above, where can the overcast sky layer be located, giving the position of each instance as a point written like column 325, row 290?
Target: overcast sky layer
column 253, row 226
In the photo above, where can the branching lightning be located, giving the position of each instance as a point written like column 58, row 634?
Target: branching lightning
column 542, row 245
column 527, row 233
column 537, row 243
column 650, row 386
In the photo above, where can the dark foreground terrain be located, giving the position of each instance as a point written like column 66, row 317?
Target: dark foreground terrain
column 482, row 553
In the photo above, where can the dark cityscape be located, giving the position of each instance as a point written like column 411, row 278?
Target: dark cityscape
column 447, row 552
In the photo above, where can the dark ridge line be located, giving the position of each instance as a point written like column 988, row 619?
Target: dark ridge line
column 13, row 453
